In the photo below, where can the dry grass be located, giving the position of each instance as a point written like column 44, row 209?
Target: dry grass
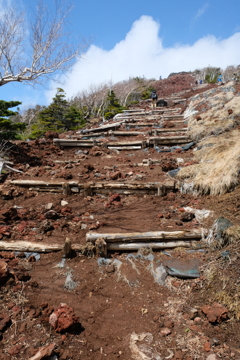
column 224, row 288
column 231, row 235
column 219, row 165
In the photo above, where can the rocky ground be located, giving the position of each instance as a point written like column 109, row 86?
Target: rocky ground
column 84, row 307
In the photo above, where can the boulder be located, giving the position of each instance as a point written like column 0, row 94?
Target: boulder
column 63, row 318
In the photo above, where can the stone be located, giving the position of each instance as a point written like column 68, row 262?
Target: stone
column 186, row 217
column 215, row 313
column 63, row 317
column 165, row 331
column 64, row 203
column 115, row 175
column 207, row 346
column 212, row 357
column 3, row 272
column 49, row 206
column 13, row 351
column 179, row 355
column 51, row 214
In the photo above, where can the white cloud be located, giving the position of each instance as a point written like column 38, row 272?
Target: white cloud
column 141, row 53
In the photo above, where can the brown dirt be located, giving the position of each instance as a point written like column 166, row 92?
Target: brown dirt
column 111, row 305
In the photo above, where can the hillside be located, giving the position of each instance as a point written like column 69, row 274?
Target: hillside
column 121, row 241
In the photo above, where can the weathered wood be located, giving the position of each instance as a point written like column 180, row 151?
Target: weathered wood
column 173, row 140
column 126, row 133
column 126, row 143
column 104, row 127
column 124, row 147
column 172, row 117
column 75, row 143
column 152, row 245
column 29, row 246
column 146, row 236
column 167, row 130
column 92, row 188
column 101, row 247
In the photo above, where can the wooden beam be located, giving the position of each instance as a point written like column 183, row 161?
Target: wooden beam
column 152, row 245
column 146, row 236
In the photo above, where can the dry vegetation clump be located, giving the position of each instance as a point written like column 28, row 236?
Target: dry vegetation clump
column 223, row 281
column 213, row 112
column 231, row 235
column 219, row 165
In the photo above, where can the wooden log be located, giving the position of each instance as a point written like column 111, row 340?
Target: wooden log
column 124, row 147
column 172, row 117
column 126, row 133
column 125, row 143
column 75, row 143
column 146, row 236
column 29, row 246
column 169, row 140
column 104, row 127
column 152, row 245
column 41, row 183
column 170, row 130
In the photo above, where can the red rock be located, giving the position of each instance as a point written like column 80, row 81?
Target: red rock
column 21, row 227
column 16, row 308
column 115, row 197
column 207, row 346
column 171, row 196
column 215, row 313
column 168, row 324
column 195, row 328
column 116, row 175
column 4, row 321
column 5, row 230
column 15, row 350
column 179, row 355
column 63, row 317
column 165, row 331
column 160, row 216
column 7, row 255
column 3, row 272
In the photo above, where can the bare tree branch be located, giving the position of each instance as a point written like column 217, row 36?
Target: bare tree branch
column 43, row 48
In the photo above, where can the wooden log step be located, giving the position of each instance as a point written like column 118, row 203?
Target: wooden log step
column 115, row 125
column 92, row 188
column 153, row 236
column 75, row 143
column 169, row 140
column 27, row 246
column 126, row 133
column 132, row 125
column 172, row 117
column 126, row 143
column 159, row 131
column 124, row 147
column 152, row 245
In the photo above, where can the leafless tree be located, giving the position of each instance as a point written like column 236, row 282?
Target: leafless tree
column 40, row 48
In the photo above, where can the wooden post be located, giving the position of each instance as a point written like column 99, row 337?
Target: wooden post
column 67, row 249
column 101, row 247
column 66, row 189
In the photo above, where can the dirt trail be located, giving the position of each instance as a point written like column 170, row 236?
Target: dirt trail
column 121, row 308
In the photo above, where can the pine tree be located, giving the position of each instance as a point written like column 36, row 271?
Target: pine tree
column 113, row 106
column 59, row 116
column 9, row 129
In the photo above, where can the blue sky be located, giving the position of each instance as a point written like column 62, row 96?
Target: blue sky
column 140, row 38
